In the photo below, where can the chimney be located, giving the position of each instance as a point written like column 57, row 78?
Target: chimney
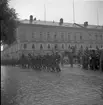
column 85, row 24
column 61, row 21
column 31, row 18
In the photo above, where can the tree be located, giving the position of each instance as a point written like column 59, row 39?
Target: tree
column 8, row 23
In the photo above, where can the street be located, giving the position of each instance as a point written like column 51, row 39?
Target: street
column 72, row 86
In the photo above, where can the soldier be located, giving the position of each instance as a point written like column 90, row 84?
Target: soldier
column 23, row 61
column 57, row 62
column 97, row 66
column 71, row 58
column 93, row 60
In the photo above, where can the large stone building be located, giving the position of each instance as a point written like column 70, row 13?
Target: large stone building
column 35, row 36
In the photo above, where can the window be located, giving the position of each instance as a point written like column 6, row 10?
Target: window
column 55, row 36
column 96, row 36
column 55, row 46
column 90, row 36
column 25, row 46
column 62, row 46
column 68, row 46
column 81, row 46
column 40, row 35
column 75, row 37
column 33, row 46
column 80, row 37
column 101, row 36
column 33, row 34
column 48, row 36
column 62, row 36
column 41, row 47
column 48, row 46
column 68, row 36
column 97, row 46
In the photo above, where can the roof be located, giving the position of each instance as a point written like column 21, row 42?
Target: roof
column 53, row 23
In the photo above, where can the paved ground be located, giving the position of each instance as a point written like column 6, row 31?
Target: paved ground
column 73, row 86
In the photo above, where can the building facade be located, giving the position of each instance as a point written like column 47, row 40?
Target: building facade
column 40, row 37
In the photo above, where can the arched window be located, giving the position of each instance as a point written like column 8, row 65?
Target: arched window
column 25, row 46
column 48, row 46
column 41, row 47
column 55, row 46
column 62, row 46
column 80, row 37
column 33, row 46
column 69, row 47
column 81, row 46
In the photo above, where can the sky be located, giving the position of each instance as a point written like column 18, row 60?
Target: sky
column 84, row 10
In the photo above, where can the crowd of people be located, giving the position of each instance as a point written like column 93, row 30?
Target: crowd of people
column 49, row 62
column 92, row 59
column 89, row 59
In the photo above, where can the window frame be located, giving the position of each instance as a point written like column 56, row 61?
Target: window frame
column 25, row 46
column 62, row 46
column 41, row 47
column 48, row 36
column 49, row 46
column 33, row 46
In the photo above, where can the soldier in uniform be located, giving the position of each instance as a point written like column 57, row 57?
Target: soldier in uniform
column 85, row 60
column 93, row 60
column 57, row 62
column 71, row 58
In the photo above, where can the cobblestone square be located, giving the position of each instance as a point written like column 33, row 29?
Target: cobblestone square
column 72, row 86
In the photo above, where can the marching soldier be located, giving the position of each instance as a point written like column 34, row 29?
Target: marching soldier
column 85, row 60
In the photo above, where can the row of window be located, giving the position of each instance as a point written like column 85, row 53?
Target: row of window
column 55, row 46
column 79, row 35
column 41, row 46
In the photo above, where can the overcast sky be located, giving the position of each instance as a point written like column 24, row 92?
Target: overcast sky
column 85, row 10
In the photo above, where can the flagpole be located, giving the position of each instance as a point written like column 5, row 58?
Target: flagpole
column 97, row 17
column 73, row 13
column 44, row 13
